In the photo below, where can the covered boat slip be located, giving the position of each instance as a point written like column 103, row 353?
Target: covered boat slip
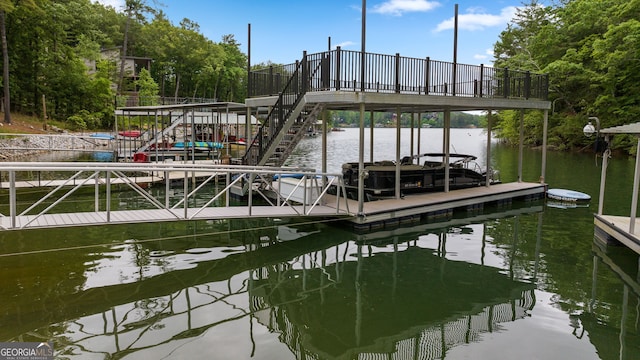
column 291, row 97
column 187, row 131
column 369, row 83
column 623, row 229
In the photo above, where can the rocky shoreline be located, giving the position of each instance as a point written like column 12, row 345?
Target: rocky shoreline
column 18, row 147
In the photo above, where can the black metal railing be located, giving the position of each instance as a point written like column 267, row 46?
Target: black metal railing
column 341, row 70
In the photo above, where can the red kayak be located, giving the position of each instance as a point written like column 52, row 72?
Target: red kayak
column 130, row 133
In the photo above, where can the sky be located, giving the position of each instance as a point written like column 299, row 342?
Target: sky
column 282, row 29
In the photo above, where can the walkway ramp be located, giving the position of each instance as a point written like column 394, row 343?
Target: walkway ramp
column 161, row 215
column 204, row 192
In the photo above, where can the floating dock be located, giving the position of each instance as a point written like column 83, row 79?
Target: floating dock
column 616, row 228
column 302, row 197
column 612, row 228
column 414, row 208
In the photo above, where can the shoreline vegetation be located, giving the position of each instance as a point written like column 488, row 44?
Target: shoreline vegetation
column 38, row 145
column 588, row 51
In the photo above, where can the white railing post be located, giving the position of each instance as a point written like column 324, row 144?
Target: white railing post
column 634, row 196
column 167, row 188
column 304, row 196
column 279, row 192
column 97, row 192
column 12, row 198
column 603, row 179
column 185, row 189
column 250, row 199
column 108, row 194
column 228, row 190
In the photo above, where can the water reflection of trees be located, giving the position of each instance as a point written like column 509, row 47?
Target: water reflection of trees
column 327, row 292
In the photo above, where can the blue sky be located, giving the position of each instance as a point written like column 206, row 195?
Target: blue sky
column 282, row 29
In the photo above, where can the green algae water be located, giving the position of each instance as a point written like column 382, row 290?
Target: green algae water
column 520, row 281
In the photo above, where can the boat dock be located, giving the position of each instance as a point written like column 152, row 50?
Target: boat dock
column 414, row 208
column 196, row 200
column 615, row 228
column 291, row 100
column 618, row 228
column 313, row 194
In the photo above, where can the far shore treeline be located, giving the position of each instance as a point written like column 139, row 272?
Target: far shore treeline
column 589, row 48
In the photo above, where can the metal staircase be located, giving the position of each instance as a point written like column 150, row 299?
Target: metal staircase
column 302, row 126
column 160, row 135
column 287, row 122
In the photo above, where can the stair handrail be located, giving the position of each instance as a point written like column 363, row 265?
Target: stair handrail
column 161, row 134
column 294, row 87
column 309, row 120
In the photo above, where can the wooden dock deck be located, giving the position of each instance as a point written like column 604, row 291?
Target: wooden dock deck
column 385, row 213
column 610, row 227
column 414, row 207
column 623, row 229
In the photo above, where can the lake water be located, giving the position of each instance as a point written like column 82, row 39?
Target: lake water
column 504, row 283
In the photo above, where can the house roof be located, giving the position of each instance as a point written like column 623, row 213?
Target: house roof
column 231, row 106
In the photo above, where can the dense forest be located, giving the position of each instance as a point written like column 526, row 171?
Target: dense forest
column 431, row 119
column 591, row 51
column 589, row 48
column 48, row 44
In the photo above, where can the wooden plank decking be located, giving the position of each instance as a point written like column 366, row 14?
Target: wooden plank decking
column 617, row 227
column 416, row 204
column 373, row 212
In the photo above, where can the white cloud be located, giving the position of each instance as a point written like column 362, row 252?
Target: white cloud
column 345, row 44
column 488, row 53
column 398, row 7
column 116, row 4
column 479, row 20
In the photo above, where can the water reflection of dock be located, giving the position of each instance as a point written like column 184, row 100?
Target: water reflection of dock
column 620, row 311
column 336, row 296
column 363, row 311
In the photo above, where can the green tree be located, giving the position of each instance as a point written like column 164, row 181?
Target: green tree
column 153, row 39
column 135, row 10
column 590, row 49
column 53, row 47
column 147, row 88
column 617, row 60
column 231, row 82
column 56, row 51
column 7, row 6
column 99, row 98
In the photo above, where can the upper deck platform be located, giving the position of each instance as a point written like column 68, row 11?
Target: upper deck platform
column 392, row 82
